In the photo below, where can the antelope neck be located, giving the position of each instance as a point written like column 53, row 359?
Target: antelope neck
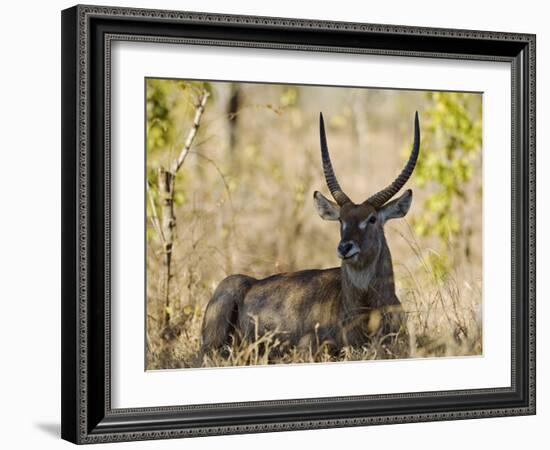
column 369, row 286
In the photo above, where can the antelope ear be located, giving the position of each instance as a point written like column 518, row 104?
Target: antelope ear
column 327, row 209
column 396, row 208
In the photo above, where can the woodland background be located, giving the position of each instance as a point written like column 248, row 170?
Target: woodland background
column 240, row 186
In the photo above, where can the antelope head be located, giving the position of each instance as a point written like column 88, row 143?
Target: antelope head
column 362, row 224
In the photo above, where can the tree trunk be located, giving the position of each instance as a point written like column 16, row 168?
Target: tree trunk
column 233, row 106
column 168, row 224
column 166, row 181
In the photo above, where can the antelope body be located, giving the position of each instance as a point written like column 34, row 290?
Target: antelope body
column 338, row 307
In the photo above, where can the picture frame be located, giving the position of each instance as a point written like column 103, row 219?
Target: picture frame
column 88, row 33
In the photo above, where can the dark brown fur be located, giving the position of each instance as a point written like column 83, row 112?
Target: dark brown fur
column 306, row 308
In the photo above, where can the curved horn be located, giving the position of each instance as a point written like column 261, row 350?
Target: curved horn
column 330, row 178
column 378, row 199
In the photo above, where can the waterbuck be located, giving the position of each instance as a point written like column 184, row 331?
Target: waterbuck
column 343, row 306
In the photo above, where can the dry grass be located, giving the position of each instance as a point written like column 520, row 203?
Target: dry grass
column 184, row 351
column 443, row 319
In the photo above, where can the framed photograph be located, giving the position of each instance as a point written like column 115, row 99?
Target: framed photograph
column 280, row 224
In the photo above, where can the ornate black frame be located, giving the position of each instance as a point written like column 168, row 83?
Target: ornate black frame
column 87, row 31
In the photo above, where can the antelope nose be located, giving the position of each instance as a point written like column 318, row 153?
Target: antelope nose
column 346, row 249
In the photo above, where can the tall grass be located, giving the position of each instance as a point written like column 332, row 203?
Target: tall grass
column 444, row 318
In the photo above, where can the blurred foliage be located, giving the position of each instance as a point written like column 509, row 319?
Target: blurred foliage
column 169, row 104
column 450, row 153
column 289, row 97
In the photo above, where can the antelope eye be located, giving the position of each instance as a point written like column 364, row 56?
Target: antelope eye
column 371, row 220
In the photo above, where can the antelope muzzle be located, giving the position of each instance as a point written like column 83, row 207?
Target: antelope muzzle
column 347, row 249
